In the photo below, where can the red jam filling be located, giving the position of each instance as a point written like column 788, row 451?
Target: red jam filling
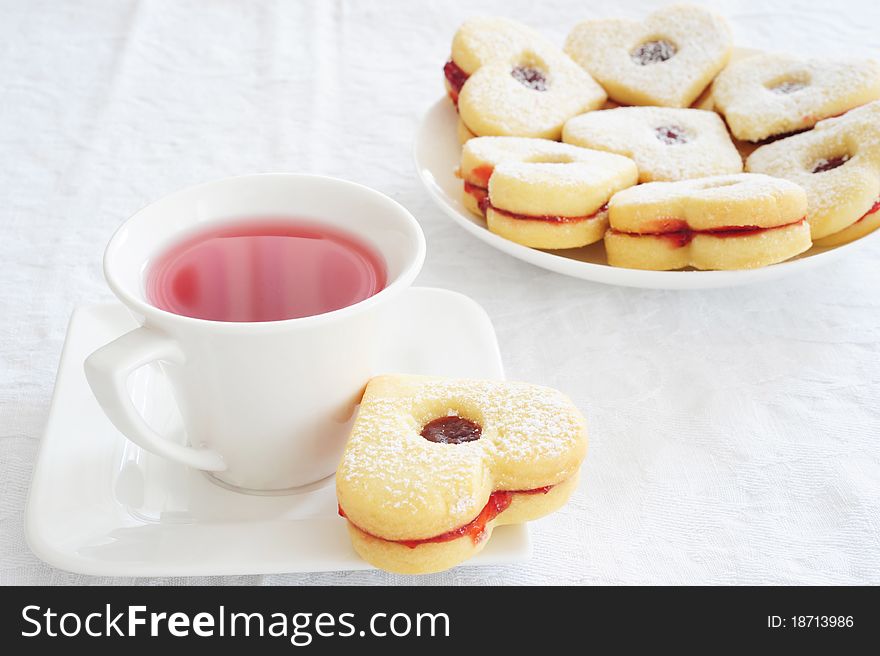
column 481, row 194
column 777, row 137
column 482, row 174
column 549, row 218
column 451, row 430
column 653, row 52
column 671, row 134
column 680, row 234
column 475, row 529
column 456, row 78
column 536, row 490
column 830, row 164
column 809, row 118
column 529, row 77
column 874, row 208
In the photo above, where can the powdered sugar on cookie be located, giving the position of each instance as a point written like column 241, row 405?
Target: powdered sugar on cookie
column 531, row 94
column 507, row 79
column 837, row 163
column 737, row 221
column 767, row 95
column 667, row 60
column 484, row 39
column 708, row 203
column 665, row 143
column 397, row 484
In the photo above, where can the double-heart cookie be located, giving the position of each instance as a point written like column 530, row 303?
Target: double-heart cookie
column 666, row 143
column 739, row 221
column 667, row 60
column 838, row 164
column 433, row 465
column 508, row 80
column 769, row 95
column 542, row 193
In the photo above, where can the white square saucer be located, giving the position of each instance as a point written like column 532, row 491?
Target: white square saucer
column 100, row 505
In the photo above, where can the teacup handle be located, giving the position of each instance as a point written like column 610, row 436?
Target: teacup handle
column 107, row 371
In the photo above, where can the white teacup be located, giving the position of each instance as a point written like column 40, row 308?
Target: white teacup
column 266, row 406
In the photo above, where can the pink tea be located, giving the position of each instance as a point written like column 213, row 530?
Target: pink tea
column 264, row 270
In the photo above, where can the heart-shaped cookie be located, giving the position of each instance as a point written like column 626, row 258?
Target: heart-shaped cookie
column 739, row 221
column 508, row 80
column 764, row 96
column 838, row 164
column 666, row 143
column 542, row 193
column 666, row 60
column 484, row 39
column 433, row 464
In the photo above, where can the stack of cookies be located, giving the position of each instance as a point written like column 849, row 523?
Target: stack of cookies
column 653, row 119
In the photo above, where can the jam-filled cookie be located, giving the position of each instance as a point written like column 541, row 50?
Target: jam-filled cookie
column 541, row 193
column 666, row 143
column 740, row 221
column 768, row 95
column 434, row 464
column 508, row 80
column 666, row 60
column 485, row 39
column 838, row 164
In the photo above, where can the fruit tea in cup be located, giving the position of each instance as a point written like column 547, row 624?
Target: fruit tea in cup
column 264, row 270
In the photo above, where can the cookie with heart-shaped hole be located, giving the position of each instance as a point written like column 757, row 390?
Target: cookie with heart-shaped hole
column 740, row 221
column 434, row 464
column 666, row 60
column 542, row 193
column 666, row 143
column 509, row 80
column 768, row 95
column 838, row 164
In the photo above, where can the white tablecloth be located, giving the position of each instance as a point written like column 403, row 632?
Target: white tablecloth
column 735, row 433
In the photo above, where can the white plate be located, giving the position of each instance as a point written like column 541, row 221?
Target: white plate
column 437, row 153
column 100, row 505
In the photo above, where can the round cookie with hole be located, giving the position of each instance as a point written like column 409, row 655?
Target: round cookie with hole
column 507, row 80
column 434, row 464
column 740, row 221
column 768, row 96
column 838, row 164
column 666, row 143
column 541, row 193
column 666, row 60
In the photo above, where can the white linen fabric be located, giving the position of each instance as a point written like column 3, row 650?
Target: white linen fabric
column 735, row 434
